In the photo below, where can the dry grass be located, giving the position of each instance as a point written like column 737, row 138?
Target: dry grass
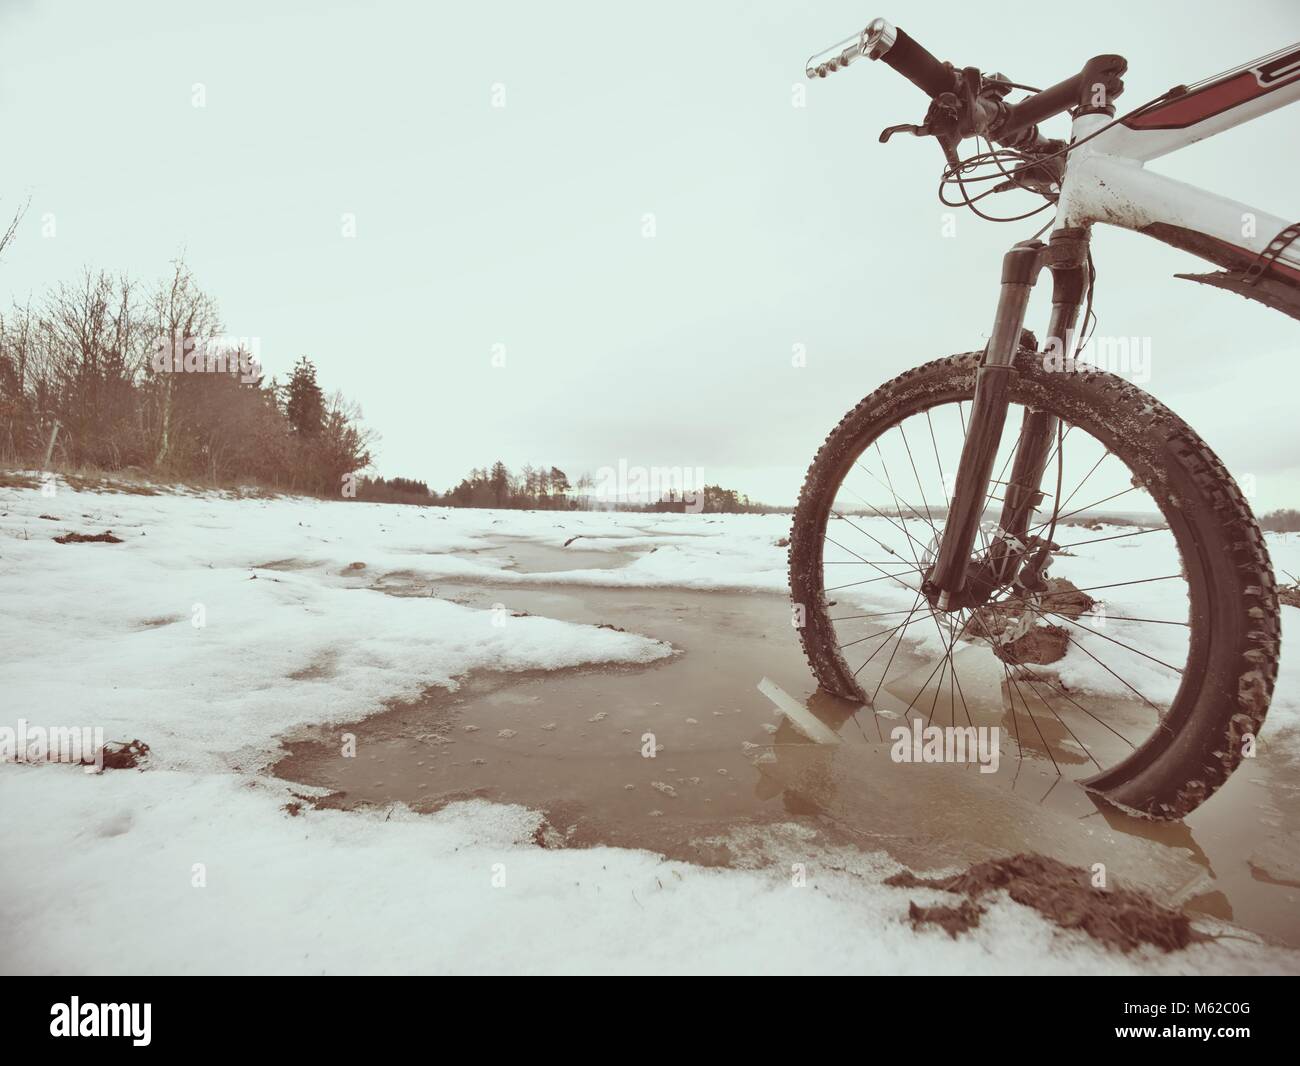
column 134, row 481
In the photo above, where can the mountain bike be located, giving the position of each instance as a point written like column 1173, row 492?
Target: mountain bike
column 1018, row 536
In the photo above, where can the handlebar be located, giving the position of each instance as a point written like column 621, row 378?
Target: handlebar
column 1100, row 71
column 884, row 41
column 916, row 64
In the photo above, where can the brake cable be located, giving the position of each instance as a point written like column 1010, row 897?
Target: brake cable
column 954, row 172
column 954, row 175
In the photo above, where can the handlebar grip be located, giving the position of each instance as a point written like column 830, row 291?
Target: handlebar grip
column 883, row 40
column 918, row 66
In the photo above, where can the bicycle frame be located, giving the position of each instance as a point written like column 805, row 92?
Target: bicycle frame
column 1105, row 182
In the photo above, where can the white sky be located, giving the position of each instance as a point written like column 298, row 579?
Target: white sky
column 522, row 225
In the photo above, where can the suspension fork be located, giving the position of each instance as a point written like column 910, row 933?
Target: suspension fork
column 947, row 583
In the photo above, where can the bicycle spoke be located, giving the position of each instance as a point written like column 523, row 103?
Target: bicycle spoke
column 1056, row 687
column 1138, row 581
column 906, row 622
column 898, row 507
column 877, row 614
column 1108, row 670
column 1075, row 733
column 1128, row 618
column 861, row 562
column 898, row 644
column 873, row 580
column 1089, row 507
column 1010, row 690
column 1135, row 651
column 885, row 633
column 854, row 525
column 1117, row 536
column 1065, row 502
column 1028, row 677
column 902, row 529
column 919, row 488
column 943, row 481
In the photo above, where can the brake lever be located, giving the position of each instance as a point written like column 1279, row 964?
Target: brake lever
column 943, row 120
column 922, row 130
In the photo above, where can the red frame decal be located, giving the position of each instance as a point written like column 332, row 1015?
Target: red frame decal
column 1220, row 96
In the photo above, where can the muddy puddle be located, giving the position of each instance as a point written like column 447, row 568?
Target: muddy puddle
column 573, row 744
column 531, row 557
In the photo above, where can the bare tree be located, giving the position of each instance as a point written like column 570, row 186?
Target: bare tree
column 11, row 231
column 17, row 358
column 183, row 317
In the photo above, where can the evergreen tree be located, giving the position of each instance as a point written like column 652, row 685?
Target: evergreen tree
column 304, row 403
column 500, row 481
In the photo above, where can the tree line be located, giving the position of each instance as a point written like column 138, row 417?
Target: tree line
column 546, row 488
column 533, row 488
column 102, row 373
column 1284, row 520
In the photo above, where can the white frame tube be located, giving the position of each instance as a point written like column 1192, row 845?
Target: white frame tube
column 1105, row 180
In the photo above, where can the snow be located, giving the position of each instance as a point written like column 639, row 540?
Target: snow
column 101, row 873
column 113, row 627
column 1281, row 730
column 102, row 880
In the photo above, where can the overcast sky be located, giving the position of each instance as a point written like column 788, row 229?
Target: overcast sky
column 524, row 225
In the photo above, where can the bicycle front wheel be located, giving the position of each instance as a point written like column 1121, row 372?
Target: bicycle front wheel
column 1143, row 662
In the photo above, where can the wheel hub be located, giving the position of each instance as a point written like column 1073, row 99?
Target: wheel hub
column 1009, row 564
